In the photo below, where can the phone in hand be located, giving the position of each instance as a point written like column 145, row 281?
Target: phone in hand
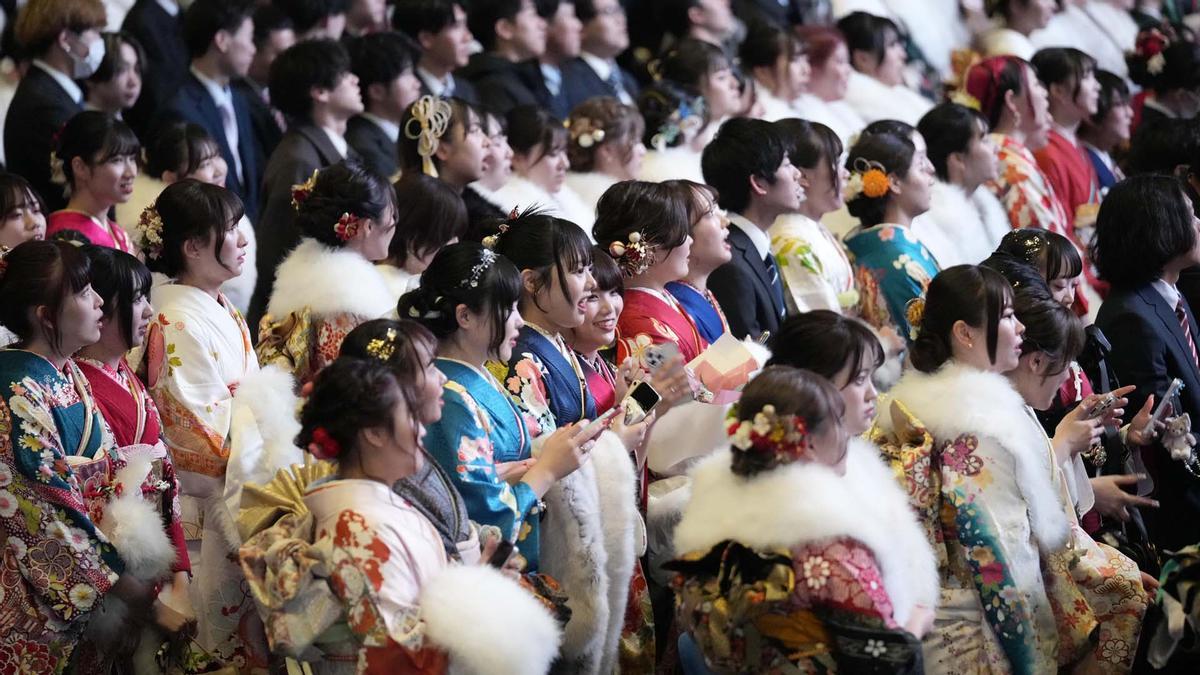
column 1161, row 410
column 602, row 422
column 1107, row 403
column 500, row 556
column 639, row 401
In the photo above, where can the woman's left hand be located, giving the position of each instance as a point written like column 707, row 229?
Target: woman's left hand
column 633, row 436
column 1140, row 432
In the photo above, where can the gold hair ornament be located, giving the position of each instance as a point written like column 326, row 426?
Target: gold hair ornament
column 432, row 117
column 382, row 348
column 633, row 256
column 149, row 230
column 302, row 191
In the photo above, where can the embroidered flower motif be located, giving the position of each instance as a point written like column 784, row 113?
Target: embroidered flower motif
column 17, row 546
column 875, row 648
column 816, row 572
column 347, row 226
column 82, row 596
column 1115, row 650
column 8, row 504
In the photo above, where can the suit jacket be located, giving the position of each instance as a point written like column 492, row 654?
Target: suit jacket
column 1149, row 349
column 580, row 83
column 39, row 109
column 303, row 149
column 531, row 73
column 501, row 84
column 463, row 89
column 161, row 36
column 192, row 103
column 267, row 130
column 742, row 287
column 378, row 151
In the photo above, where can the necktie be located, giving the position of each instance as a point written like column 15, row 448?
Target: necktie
column 614, row 81
column 776, row 284
column 229, row 121
column 1187, row 331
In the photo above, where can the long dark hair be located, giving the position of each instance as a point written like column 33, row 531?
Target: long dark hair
column 544, row 244
column 120, row 279
column 824, row 342
column 36, row 274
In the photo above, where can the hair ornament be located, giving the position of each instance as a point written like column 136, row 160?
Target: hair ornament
column 382, row 348
column 323, row 445
column 688, row 117
column 914, row 313
column 347, row 226
column 784, row 437
column 1151, row 43
column 584, row 132
column 150, row 229
column 432, row 117
column 57, row 175
column 867, row 178
column 415, row 313
column 486, row 259
column 302, row 191
column 633, row 256
column 489, row 242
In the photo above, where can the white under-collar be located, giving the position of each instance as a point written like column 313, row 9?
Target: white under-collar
column 758, row 237
column 339, row 142
column 390, row 128
column 169, row 6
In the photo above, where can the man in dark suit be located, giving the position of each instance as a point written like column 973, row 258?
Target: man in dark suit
column 219, row 35
column 156, row 25
column 439, row 27
column 513, row 36
column 313, row 85
column 273, row 34
column 1152, row 330
column 595, row 72
column 384, row 68
column 64, row 38
column 564, row 32
column 747, row 163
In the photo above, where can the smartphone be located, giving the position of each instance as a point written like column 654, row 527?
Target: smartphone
column 601, row 422
column 656, row 355
column 501, row 554
column 638, row 403
column 1102, row 407
column 1172, row 392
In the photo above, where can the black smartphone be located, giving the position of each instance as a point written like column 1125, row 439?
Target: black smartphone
column 638, row 403
column 501, row 555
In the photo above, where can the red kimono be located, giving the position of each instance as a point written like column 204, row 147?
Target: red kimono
column 652, row 318
column 78, row 224
column 1071, row 174
column 125, row 404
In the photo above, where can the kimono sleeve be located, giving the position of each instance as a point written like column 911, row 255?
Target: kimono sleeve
column 803, row 278
column 66, row 565
column 525, row 383
column 459, row 442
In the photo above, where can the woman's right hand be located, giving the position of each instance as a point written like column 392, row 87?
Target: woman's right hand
column 1076, row 433
column 563, row 452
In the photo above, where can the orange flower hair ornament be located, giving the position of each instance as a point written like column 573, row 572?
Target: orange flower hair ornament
column 784, row 437
column 914, row 313
column 430, row 120
column 868, row 179
column 302, row 191
column 347, row 226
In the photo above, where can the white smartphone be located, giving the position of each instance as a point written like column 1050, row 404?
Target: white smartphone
column 1172, row 392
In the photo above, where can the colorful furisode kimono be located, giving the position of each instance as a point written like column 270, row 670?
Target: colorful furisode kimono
column 481, row 427
column 79, row 226
column 652, row 318
column 1069, row 172
column 703, row 309
column 1025, row 192
column 816, row 272
column 55, row 566
column 892, row 267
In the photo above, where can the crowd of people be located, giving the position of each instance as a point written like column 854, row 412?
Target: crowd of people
column 599, row 336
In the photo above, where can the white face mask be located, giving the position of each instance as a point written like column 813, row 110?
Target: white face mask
column 83, row 68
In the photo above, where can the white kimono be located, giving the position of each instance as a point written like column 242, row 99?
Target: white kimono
column 521, row 193
column 588, row 188
column 874, row 100
column 1098, row 29
column 1001, row 41
column 774, row 108
column 837, row 115
column 678, row 163
column 816, row 271
column 959, row 229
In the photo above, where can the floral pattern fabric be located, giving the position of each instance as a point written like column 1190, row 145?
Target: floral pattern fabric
column 816, row 271
column 652, row 318
column 1023, row 189
column 303, row 344
column 892, row 267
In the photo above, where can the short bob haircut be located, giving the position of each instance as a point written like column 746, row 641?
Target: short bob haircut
column 429, row 214
column 820, row 42
column 970, row 293
column 95, row 137
column 1051, row 254
column 664, row 106
column 306, row 65
column 810, row 144
column 462, row 117
column 36, row 274
column 700, row 198
column 1050, row 328
column 205, row 18
column 657, row 211
column 895, row 153
column 826, row 343
column 607, row 272
column 791, row 391
column 690, row 62
column 544, row 244
column 1114, row 92
column 345, row 187
column 949, row 128
column 40, row 22
column 191, row 210
column 531, row 128
column 743, row 148
column 622, row 125
column 1063, row 65
column 112, row 61
column 868, row 33
column 447, row 283
column 17, row 193
column 1144, row 223
column 120, row 279
column 180, row 147
column 765, row 43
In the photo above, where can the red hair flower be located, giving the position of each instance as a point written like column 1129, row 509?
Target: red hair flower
column 324, row 446
column 347, row 226
column 1151, row 43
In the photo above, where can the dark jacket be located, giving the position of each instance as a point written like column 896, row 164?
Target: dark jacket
column 580, row 83
column 39, row 109
column 266, row 121
column 304, row 149
column 378, row 151
column 501, row 84
column 1149, row 349
column 161, row 36
column 742, row 286
column 193, row 103
column 463, row 89
column 555, row 103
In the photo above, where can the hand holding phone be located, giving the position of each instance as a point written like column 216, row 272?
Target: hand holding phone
column 638, row 403
column 1161, row 411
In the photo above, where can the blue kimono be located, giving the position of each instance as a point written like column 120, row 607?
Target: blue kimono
column 481, row 427
column 703, row 309
column 891, row 268
column 58, row 566
column 546, row 385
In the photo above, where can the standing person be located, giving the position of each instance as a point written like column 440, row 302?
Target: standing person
column 748, row 165
column 219, row 35
column 158, row 27
column 595, row 71
column 63, row 36
column 439, row 27
column 116, row 85
column 95, row 163
column 383, row 64
column 1108, row 129
column 710, row 250
column 312, row 84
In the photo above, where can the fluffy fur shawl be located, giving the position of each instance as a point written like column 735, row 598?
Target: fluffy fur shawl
column 329, row 281
column 521, row 193
column 959, row 399
column 960, row 228
column 805, row 502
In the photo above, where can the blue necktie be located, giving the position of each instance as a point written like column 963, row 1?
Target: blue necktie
column 776, row 284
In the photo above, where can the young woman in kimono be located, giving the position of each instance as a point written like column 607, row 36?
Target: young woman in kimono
column 58, row 566
column 589, row 535
column 824, row 98
column 95, row 160
column 1108, row 129
column 778, row 63
column 816, row 271
column 770, row 583
column 604, row 147
column 1016, row 21
column 539, row 144
column 1165, row 67
column 710, row 250
column 21, row 220
column 1008, row 94
column 467, row 299
column 674, row 119
column 645, row 228
column 876, row 89
column 399, row 605
column 430, row 215
column 329, row 284
column 153, row 528
column 225, row 420
column 889, row 185
column 703, row 70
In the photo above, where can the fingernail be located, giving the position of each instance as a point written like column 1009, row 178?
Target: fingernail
column 1156, row 504
column 1141, row 476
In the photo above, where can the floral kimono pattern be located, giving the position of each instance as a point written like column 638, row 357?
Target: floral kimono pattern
column 892, row 267
column 55, row 564
column 545, row 384
column 816, row 272
column 1025, row 192
column 653, row 318
column 479, row 428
